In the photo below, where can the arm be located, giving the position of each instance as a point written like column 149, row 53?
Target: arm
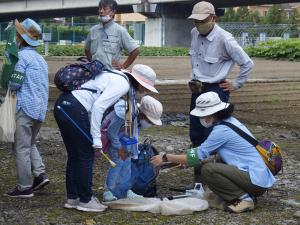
column 131, row 57
column 240, row 57
column 18, row 75
column 88, row 54
column 117, row 87
column 87, row 47
column 130, row 45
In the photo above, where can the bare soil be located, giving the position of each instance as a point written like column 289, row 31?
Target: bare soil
column 270, row 109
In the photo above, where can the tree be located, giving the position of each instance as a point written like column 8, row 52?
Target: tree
column 275, row 15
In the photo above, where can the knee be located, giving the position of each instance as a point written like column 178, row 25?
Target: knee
column 207, row 171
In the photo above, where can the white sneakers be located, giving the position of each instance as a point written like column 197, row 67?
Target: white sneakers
column 131, row 195
column 92, row 206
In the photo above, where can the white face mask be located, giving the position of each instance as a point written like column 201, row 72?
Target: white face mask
column 105, row 19
column 144, row 124
column 204, row 123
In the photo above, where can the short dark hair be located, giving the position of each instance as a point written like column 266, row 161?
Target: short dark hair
column 225, row 113
column 111, row 3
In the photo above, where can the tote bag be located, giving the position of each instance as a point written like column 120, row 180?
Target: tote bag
column 8, row 117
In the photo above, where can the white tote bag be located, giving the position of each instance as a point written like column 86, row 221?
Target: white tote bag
column 8, row 117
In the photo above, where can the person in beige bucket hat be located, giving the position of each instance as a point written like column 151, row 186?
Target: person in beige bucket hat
column 239, row 174
column 214, row 52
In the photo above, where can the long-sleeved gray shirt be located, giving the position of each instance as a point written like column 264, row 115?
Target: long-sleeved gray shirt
column 214, row 56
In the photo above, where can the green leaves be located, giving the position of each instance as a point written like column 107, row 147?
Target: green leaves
column 279, row 49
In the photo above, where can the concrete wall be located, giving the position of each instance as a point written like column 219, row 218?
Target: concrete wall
column 153, row 32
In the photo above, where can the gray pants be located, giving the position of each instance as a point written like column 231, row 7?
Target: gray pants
column 27, row 156
column 228, row 182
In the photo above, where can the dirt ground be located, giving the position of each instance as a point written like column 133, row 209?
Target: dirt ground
column 270, row 109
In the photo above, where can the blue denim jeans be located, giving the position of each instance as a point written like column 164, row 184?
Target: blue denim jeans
column 118, row 179
column 79, row 171
column 197, row 132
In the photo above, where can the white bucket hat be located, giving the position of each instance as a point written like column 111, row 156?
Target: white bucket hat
column 144, row 75
column 30, row 31
column 152, row 108
column 202, row 10
column 208, row 104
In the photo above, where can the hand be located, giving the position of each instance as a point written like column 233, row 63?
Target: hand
column 117, row 65
column 157, row 160
column 97, row 152
column 123, row 154
column 227, row 86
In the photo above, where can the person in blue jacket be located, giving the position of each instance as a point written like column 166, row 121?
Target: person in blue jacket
column 243, row 174
column 118, row 180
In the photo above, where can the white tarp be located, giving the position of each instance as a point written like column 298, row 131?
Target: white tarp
column 182, row 206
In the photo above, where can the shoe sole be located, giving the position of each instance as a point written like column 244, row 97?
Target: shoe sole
column 19, row 196
column 68, row 206
column 227, row 209
column 41, row 185
column 89, row 210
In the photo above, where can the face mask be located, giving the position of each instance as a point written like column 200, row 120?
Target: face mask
column 205, row 28
column 204, row 123
column 144, row 124
column 105, row 19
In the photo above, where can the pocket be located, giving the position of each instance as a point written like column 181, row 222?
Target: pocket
column 211, row 60
column 111, row 45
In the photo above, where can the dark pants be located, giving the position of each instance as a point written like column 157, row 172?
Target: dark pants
column 228, row 182
column 79, row 172
column 198, row 133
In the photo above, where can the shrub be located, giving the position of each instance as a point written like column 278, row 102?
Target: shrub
column 279, row 49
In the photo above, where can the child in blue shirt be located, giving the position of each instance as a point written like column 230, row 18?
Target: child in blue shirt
column 118, row 180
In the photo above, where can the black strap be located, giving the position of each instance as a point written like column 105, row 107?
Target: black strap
column 243, row 134
column 89, row 89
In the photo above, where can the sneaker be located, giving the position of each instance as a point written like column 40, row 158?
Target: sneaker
column 71, row 203
column 92, row 206
column 40, row 182
column 131, row 194
column 108, row 196
column 16, row 193
column 240, row 206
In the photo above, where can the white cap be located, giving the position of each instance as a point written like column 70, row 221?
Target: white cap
column 202, row 10
column 208, row 104
column 144, row 75
column 152, row 108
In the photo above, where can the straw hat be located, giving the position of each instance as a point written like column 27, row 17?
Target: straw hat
column 144, row 75
column 208, row 104
column 152, row 109
column 30, row 31
column 202, row 10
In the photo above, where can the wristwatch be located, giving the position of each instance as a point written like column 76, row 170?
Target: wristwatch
column 164, row 157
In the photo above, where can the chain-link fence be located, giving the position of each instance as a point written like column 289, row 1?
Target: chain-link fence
column 245, row 33
column 251, row 34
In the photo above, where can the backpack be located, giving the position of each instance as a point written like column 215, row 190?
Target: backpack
column 72, row 76
column 143, row 173
column 270, row 152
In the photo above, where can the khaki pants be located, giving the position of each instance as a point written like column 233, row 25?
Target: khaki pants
column 27, row 156
column 228, row 182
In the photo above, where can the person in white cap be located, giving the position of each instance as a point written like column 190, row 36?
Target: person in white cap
column 118, row 179
column 30, row 80
column 243, row 173
column 108, row 39
column 86, row 107
column 214, row 52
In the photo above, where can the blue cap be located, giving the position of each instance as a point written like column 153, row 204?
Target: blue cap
column 30, row 31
